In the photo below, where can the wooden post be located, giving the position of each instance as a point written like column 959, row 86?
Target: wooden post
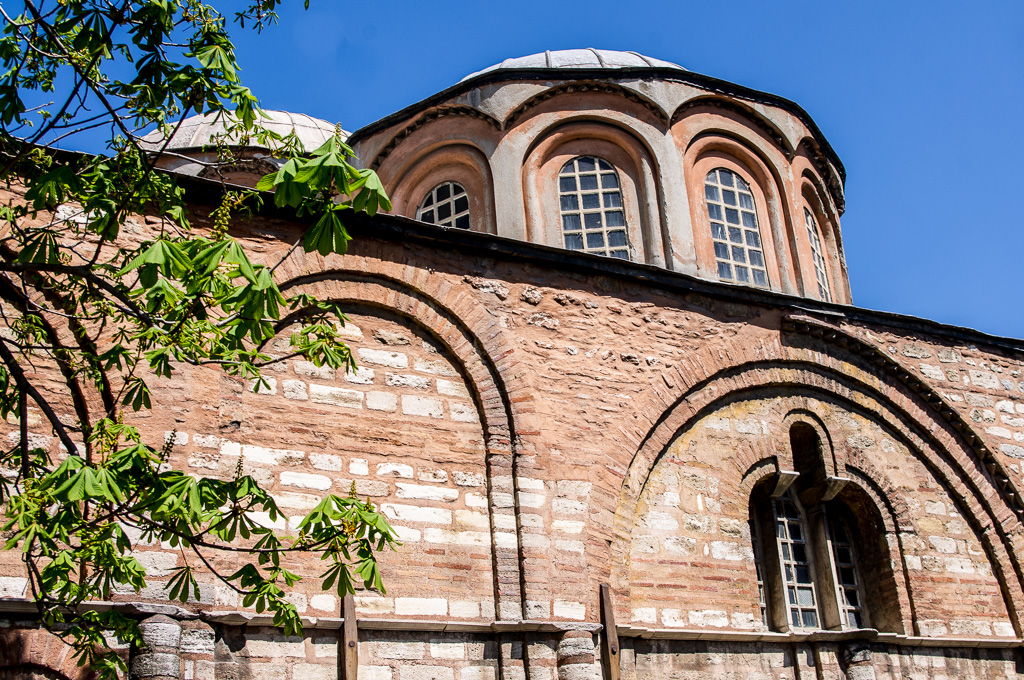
column 348, row 640
column 610, row 651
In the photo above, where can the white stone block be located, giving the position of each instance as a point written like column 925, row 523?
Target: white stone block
column 351, row 332
column 156, row 563
column 435, row 366
column 943, row 544
column 505, row 540
column 409, row 382
column 398, row 650
column 304, row 480
column 569, row 488
column 263, row 519
column 464, row 609
column 382, row 401
column 325, row 461
column 570, row 546
column 421, row 606
column 567, row 609
column 933, row 372
column 295, row 389
column 426, row 673
column 382, row 357
column 475, row 500
column 259, row 455
column 531, row 500
column 302, row 501
column 482, row 673
column 645, row 615
column 265, row 386
column 564, row 506
column 414, row 513
column 472, row 519
column 335, row 396
column 207, row 441
column 660, row 521
column 361, row 376
column 274, row 646
column 375, row 672
column 715, row 618
column 463, row 413
column 428, row 493
column 567, row 526
column 436, row 476
column 539, row 541
column 435, row 535
column 179, row 438
column 13, row 587
column 394, row 470
column 375, row 604
column 427, row 407
column 324, row 602
column 308, row 368
column 528, row 519
column 452, row 389
column 728, row 550
column 530, row 484
column 447, row 649
column 358, row 466
column 468, row 478
column 406, row 534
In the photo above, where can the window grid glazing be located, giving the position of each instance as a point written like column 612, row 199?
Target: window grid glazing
column 847, row 582
column 590, row 204
column 734, row 232
column 820, row 272
column 790, row 534
column 447, row 205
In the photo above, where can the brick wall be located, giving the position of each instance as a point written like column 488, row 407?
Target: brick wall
column 534, row 430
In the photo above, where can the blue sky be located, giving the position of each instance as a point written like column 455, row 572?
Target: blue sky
column 923, row 102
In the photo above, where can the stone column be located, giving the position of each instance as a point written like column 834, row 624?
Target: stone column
column 160, row 658
column 576, row 656
column 859, row 663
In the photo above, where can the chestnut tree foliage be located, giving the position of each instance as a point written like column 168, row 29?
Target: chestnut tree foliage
column 106, row 314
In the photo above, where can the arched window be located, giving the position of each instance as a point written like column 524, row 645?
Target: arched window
column 447, row 205
column 734, row 232
column 590, row 202
column 806, row 541
column 824, row 291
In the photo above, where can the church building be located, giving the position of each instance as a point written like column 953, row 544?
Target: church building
column 615, row 396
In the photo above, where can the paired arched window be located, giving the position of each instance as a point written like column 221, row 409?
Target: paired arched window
column 807, row 543
column 590, row 205
column 447, row 205
column 739, row 254
column 817, row 253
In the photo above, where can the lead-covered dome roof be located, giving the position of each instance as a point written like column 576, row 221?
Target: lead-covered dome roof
column 587, row 58
column 201, row 130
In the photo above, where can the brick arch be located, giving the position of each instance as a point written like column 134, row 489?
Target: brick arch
column 695, row 385
column 39, row 652
column 480, row 350
column 584, row 87
column 432, row 115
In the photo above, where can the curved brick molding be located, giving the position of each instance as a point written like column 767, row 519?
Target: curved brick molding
column 699, row 382
column 37, row 654
column 483, row 372
column 430, row 116
column 575, row 88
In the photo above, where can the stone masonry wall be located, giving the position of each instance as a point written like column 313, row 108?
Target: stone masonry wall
column 534, row 430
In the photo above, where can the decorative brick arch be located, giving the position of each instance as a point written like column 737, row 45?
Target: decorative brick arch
column 37, row 653
column 432, row 115
column 695, row 385
column 584, row 87
column 481, row 350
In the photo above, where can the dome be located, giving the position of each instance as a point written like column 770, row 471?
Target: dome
column 588, row 58
column 198, row 131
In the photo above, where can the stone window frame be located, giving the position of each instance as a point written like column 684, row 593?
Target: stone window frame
column 743, row 259
column 818, row 511
column 572, row 197
column 633, row 164
column 458, row 217
column 817, row 241
column 464, row 164
column 707, row 154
